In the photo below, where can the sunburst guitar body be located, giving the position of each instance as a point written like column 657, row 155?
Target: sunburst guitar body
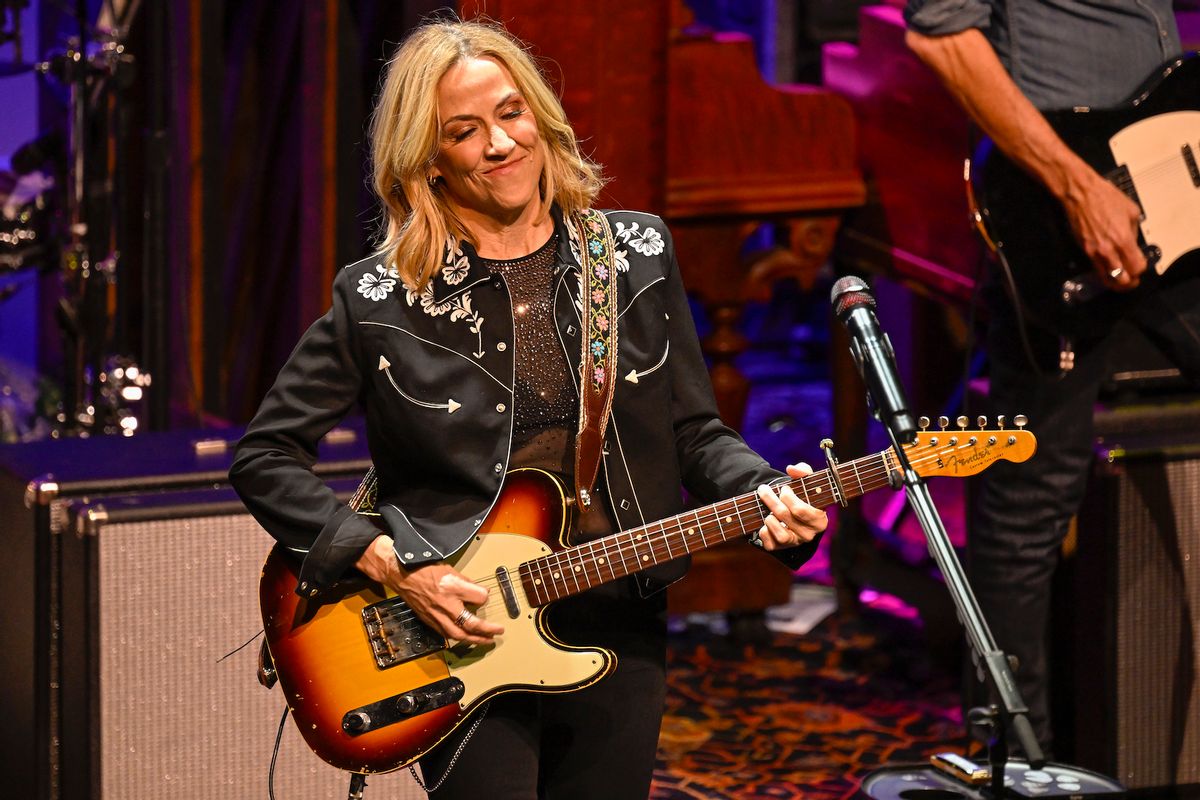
column 372, row 688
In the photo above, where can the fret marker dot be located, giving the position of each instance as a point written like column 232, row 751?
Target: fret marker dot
column 691, row 531
column 537, row 581
column 579, row 569
column 555, row 576
column 729, row 519
column 817, row 490
column 645, row 558
column 601, row 561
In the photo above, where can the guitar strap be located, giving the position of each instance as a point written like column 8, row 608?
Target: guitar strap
column 598, row 365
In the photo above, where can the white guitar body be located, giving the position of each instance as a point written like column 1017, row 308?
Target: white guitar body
column 526, row 656
column 1153, row 151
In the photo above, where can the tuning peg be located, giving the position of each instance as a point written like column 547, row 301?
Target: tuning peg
column 962, row 422
column 923, row 421
column 943, row 422
column 1021, row 420
column 982, row 420
column 1000, row 422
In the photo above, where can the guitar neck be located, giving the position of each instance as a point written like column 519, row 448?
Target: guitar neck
column 577, row 569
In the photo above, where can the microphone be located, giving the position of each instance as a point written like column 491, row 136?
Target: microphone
column 872, row 351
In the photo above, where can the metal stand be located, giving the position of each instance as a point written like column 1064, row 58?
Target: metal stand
column 1007, row 778
column 358, row 782
column 986, row 655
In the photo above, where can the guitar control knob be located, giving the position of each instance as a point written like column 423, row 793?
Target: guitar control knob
column 356, row 722
column 406, row 703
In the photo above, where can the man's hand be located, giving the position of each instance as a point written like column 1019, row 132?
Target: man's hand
column 1105, row 223
column 436, row 592
column 791, row 521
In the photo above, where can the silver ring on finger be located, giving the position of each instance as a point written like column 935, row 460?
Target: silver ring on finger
column 463, row 616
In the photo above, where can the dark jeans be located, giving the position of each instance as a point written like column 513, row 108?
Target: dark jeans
column 599, row 742
column 1022, row 512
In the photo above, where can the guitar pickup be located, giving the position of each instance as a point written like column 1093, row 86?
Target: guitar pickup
column 1123, row 179
column 400, row 707
column 1189, row 157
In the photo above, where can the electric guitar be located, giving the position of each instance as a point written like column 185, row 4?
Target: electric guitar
column 1150, row 149
column 372, row 688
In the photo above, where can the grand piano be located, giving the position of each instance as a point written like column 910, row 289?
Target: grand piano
column 687, row 128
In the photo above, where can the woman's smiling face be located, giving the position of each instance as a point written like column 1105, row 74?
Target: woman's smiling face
column 490, row 154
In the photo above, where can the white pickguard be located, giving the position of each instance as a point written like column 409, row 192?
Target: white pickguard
column 521, row 657
column 1151, row 150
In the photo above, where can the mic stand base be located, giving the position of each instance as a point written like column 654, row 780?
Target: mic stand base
column 926, row 782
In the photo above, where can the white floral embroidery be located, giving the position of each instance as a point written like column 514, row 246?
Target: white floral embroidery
column 648, row 242
column 377, row 287
column 576, row 245
column 456, row 263
column 578, row 298
column 620, row 260
column 459, row 307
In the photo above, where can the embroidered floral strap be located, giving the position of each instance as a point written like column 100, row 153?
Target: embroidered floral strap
column 599, row 363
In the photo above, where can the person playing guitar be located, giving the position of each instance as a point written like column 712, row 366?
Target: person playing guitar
column 1009, row 64
column 503, row 326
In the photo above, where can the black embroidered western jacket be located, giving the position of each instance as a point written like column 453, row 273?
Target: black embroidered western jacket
column 434, row 374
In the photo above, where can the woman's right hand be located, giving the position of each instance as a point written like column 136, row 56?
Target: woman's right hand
column 436, row 592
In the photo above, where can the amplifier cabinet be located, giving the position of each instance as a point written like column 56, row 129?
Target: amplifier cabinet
column 163, row 701
column 38, row 482
column 1132, row 623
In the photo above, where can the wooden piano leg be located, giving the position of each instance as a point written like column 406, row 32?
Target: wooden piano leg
column 710, row 257
column 722, row 346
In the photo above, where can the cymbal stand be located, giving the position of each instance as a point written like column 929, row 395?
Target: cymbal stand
column 98, row 386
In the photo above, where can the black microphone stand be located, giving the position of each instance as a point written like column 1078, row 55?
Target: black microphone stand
column 1008, row 716
column 987, row 656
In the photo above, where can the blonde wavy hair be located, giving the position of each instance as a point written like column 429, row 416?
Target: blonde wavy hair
column 405, row 134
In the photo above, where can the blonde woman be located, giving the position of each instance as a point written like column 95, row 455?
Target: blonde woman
column 460, row 339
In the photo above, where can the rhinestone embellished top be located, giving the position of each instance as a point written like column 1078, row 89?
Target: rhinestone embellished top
column 545, row 412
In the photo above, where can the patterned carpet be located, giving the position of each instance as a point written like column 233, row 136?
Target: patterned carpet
column 806, row 714
column 802, row 715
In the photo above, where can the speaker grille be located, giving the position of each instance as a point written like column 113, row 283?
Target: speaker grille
column 174, row 719
column 1158, row 622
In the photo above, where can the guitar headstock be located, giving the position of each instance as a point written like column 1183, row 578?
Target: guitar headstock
column 961, row 452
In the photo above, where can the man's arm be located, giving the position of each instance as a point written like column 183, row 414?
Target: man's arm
column 1103, row 218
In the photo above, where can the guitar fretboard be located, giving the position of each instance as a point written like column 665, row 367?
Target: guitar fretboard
column 577, row 569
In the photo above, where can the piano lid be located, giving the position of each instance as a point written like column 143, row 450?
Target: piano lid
column 737, row 146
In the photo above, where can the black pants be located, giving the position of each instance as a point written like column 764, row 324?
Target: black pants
column 599, row 742
column 1023, row 511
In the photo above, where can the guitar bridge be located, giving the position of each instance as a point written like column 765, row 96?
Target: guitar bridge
column 396, row 635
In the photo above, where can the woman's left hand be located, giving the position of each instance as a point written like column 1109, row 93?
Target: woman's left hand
column 791, row 521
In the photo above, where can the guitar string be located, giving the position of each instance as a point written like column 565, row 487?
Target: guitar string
column 823, row 487
column 565, row 559
column 564, row 562
column 1152, row 173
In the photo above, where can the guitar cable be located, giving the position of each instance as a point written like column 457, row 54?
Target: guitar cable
column 275, row 753
column 1019, row 311
column 978, row 219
